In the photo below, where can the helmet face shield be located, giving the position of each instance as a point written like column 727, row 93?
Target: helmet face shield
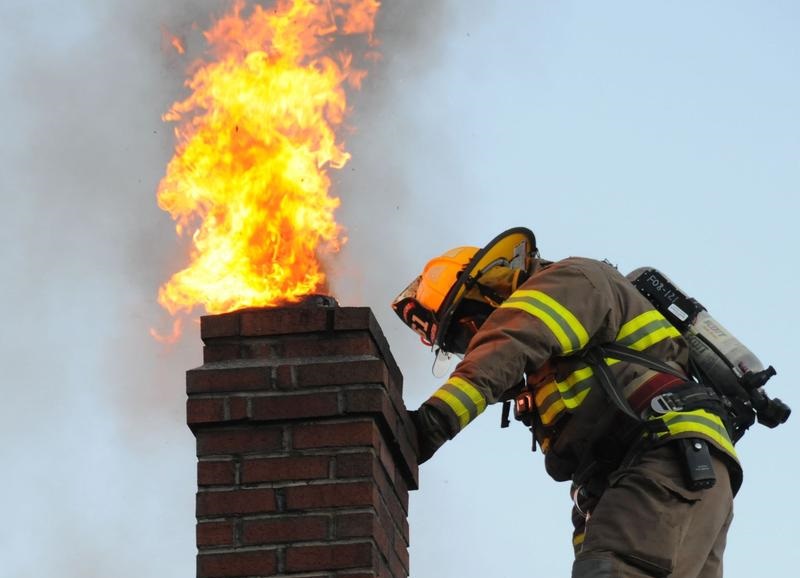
column 420, row 319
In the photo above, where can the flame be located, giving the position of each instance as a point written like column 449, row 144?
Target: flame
column 249, row 183
column 170, row 39
column 177, row 44
column 171, row 338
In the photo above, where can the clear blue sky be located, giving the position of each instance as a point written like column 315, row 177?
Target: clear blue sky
column 663, row 133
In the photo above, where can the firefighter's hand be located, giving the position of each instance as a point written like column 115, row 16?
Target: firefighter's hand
column 430, row 429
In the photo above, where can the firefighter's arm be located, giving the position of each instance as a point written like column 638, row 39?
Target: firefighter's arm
column 556, row 312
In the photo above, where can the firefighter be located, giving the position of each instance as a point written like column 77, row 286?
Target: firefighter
column 652, row 488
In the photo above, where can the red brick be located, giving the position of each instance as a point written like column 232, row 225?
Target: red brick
column 362, row 525
column 389, row 522
column 363, row 522
column 398, row 506
column 387, row 461
column 396, row 567
column 211, row 534
column 355, row 465
column 238, row 408
column 349, row 318
column 287, row 529
column 341, row 373
column 227, row 379
column 239, row 441
column 237, row 564
column 401, row 551
column 369, row 400
column 348, row 434
column 226, row 325
column 285, row 468
column 232, row 502
column 285, row 377
column 216, row 473
column 375, row 400
column 282, row 321
column 295, row 406
column 199, row 411
column 354, row 318
column 327, row 345
column 329, row 557
column 222, row 352
column 338, row 495
column 355, row 525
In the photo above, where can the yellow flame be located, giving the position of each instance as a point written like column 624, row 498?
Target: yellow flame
column 249, row 182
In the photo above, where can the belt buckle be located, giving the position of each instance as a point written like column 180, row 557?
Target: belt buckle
column 665, row 402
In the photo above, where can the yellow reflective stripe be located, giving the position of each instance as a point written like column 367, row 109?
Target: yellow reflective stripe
column 548, row 402
column 645, row 330
column 542, row 392
column 461, row 412
column 474, row 394
column 573, row 390
column 577, row 540
column 549, row 413
column 569, row 332
column 574, row 378
column 701, row 422
column 463, row 399
column 637, row 323
column 655, row 337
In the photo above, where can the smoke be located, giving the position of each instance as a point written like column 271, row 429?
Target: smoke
column 100, row 468
column 379, row 207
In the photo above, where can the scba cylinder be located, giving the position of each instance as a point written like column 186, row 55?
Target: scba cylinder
column 719, row 354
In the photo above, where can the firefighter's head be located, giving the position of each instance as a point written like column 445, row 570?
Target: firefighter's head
column 458, row 290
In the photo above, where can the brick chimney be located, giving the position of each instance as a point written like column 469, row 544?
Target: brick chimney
column 304, row 445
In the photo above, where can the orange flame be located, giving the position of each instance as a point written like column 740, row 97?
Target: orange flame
column 177, row 44
column 249, row 183
column 167, row 38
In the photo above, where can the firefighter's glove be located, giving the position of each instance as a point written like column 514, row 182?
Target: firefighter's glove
column 432, row 431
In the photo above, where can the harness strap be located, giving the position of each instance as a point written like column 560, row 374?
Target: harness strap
column 623, row 353
column 595, row 356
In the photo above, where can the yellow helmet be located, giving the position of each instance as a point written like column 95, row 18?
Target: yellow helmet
column 484, row 277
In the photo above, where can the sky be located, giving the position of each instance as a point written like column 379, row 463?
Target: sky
column 660, row 133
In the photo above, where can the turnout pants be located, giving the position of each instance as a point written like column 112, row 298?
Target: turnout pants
column 647, row 524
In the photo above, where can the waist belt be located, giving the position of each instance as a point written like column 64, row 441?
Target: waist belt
column 687, row 397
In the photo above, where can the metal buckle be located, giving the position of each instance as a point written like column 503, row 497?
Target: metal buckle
column 665, row 402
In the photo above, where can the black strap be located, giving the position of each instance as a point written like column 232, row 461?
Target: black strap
column 616, row 351
column 595, row 356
